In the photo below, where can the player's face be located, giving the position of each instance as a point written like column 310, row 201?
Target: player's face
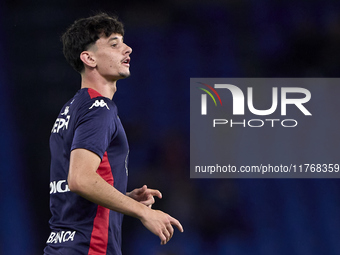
column 112, row 57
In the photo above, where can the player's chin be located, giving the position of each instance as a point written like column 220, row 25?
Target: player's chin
column 124, row 75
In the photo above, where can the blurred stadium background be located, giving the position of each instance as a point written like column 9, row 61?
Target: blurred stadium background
column 171, row 41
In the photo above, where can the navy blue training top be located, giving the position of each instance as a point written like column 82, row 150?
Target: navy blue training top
column 78, row 226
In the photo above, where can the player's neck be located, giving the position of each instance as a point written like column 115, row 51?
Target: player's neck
column 100, row 84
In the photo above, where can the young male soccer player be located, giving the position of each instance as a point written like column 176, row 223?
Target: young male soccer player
column 89, row 151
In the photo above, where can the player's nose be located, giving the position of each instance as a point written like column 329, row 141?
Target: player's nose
column 128, row 49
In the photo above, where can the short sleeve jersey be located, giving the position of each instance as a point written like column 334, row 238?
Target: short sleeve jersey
column 78, row 226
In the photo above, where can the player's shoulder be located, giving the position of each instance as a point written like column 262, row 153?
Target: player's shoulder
column 89, row 99
column 89, row 104
column 97, row 101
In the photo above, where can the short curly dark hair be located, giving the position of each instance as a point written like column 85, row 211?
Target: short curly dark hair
column 84, row 32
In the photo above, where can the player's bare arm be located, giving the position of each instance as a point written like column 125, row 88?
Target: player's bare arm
column 83, row 180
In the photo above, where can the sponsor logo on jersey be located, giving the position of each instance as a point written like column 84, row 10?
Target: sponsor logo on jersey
column 100, row 103
column 62, row 123
column 59, row 187
column 66, row 110
column 61, row 237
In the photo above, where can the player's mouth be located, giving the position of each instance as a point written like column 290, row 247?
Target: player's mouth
column 126, row 62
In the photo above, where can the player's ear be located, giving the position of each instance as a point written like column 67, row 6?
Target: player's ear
column 88, row 59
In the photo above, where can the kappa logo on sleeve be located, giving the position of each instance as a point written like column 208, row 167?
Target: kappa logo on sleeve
column 100, row 103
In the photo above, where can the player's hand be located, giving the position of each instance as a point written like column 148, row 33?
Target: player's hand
column 145, row 195
column 161, row 224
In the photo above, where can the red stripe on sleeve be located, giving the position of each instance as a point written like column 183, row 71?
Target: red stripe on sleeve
column 100, row 232
column 93, row 93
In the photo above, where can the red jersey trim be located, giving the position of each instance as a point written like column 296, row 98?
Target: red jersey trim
column 100, row 231
column 93, row 93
